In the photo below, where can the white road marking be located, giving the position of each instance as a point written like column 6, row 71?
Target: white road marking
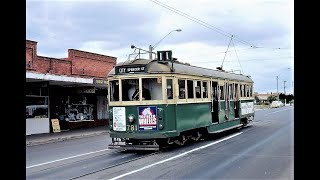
column 175, row 157
column 277, row 111
column 66, row 158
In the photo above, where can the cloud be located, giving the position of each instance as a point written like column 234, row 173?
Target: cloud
column 109, row 27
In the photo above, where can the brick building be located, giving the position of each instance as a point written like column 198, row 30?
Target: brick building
column 71, row 89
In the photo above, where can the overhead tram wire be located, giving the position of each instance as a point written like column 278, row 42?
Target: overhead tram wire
column 269, row 59
column 201, row 22
column 237, row 56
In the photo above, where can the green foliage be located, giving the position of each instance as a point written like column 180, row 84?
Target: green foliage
column 257, row 99
column 272, row 98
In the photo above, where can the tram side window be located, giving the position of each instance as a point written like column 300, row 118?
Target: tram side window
column 241, row 91
column 214, row 90
column 114, row 90
column 244, row 91
column 205, row 89
column 221, row 92
column 169, row 89
column 231, row 91
column 247, row 92
column 182, row 90
column 198, row 89
column 130, row 89
column 151, row 89
column 236, row 90
column 190, row 89
column 251, row 89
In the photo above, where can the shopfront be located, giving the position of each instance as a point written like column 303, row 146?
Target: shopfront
column 75, row 104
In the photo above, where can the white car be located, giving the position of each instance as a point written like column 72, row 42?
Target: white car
column 276, row 104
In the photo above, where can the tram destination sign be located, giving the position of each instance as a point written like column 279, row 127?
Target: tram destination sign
column 131, row 69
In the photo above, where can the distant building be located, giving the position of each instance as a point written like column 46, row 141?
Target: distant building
column 71, row 89
column 264, row 97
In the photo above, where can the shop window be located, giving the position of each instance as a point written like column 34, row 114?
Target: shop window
column 36, row 107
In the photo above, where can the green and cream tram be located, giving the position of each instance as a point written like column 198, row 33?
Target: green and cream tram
column 153, row 103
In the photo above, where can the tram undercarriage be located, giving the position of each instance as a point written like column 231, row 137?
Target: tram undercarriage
column 156, row 144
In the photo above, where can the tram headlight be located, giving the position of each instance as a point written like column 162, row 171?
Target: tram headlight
column 131, row 118
column 161, row 126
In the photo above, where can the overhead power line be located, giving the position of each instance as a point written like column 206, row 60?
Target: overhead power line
column 269, row 59
column 224, row 33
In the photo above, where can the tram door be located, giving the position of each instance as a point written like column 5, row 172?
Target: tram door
column 237, row 101
column 214, row 102
column 227, row 101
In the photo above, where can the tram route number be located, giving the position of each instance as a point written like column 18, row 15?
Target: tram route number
column 132, row 128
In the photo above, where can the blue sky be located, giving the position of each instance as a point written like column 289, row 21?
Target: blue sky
column 110, row 27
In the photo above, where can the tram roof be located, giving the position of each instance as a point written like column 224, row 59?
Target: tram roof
column 156, row 67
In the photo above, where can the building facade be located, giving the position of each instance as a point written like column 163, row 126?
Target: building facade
column 72, row 90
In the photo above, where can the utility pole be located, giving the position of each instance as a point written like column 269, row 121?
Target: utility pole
column 284, row 90
column 150, row 52
column 277, row 89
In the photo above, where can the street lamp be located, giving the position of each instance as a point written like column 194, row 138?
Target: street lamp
column 151, row 48
column 278, row 85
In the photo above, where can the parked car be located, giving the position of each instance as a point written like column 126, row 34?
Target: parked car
column 276, row 104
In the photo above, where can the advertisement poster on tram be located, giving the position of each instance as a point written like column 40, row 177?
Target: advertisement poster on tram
column 147, row 118
column 119, row 118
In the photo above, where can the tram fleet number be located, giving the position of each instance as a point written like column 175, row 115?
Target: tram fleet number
column 132, row 128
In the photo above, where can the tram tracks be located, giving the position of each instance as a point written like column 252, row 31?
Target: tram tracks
column 115, row 165
column 82, row 168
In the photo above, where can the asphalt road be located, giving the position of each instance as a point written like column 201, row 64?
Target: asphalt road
column 263, row 150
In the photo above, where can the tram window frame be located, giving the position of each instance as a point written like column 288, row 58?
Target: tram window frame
column 230, row 86
column 221, row 92
column 205, row 89
column 155, row 89
column 114, row 97
column 190, row 89
column 169, row 94
column 214, row 90
column 129, row 89
column 198, row 89
column 182, row 88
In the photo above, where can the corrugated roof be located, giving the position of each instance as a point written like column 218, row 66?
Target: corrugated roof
column 154, row 67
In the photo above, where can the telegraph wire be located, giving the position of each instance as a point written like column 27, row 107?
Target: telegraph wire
column 269, row 59
column 201, row 22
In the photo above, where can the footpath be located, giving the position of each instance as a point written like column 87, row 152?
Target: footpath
column 36, row 139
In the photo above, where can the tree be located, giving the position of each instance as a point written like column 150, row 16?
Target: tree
column 282, row 96
column 272, row 98
column 257, row 99
column 289, row 97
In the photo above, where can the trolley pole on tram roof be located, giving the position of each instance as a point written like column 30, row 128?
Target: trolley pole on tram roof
column 151, row 48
